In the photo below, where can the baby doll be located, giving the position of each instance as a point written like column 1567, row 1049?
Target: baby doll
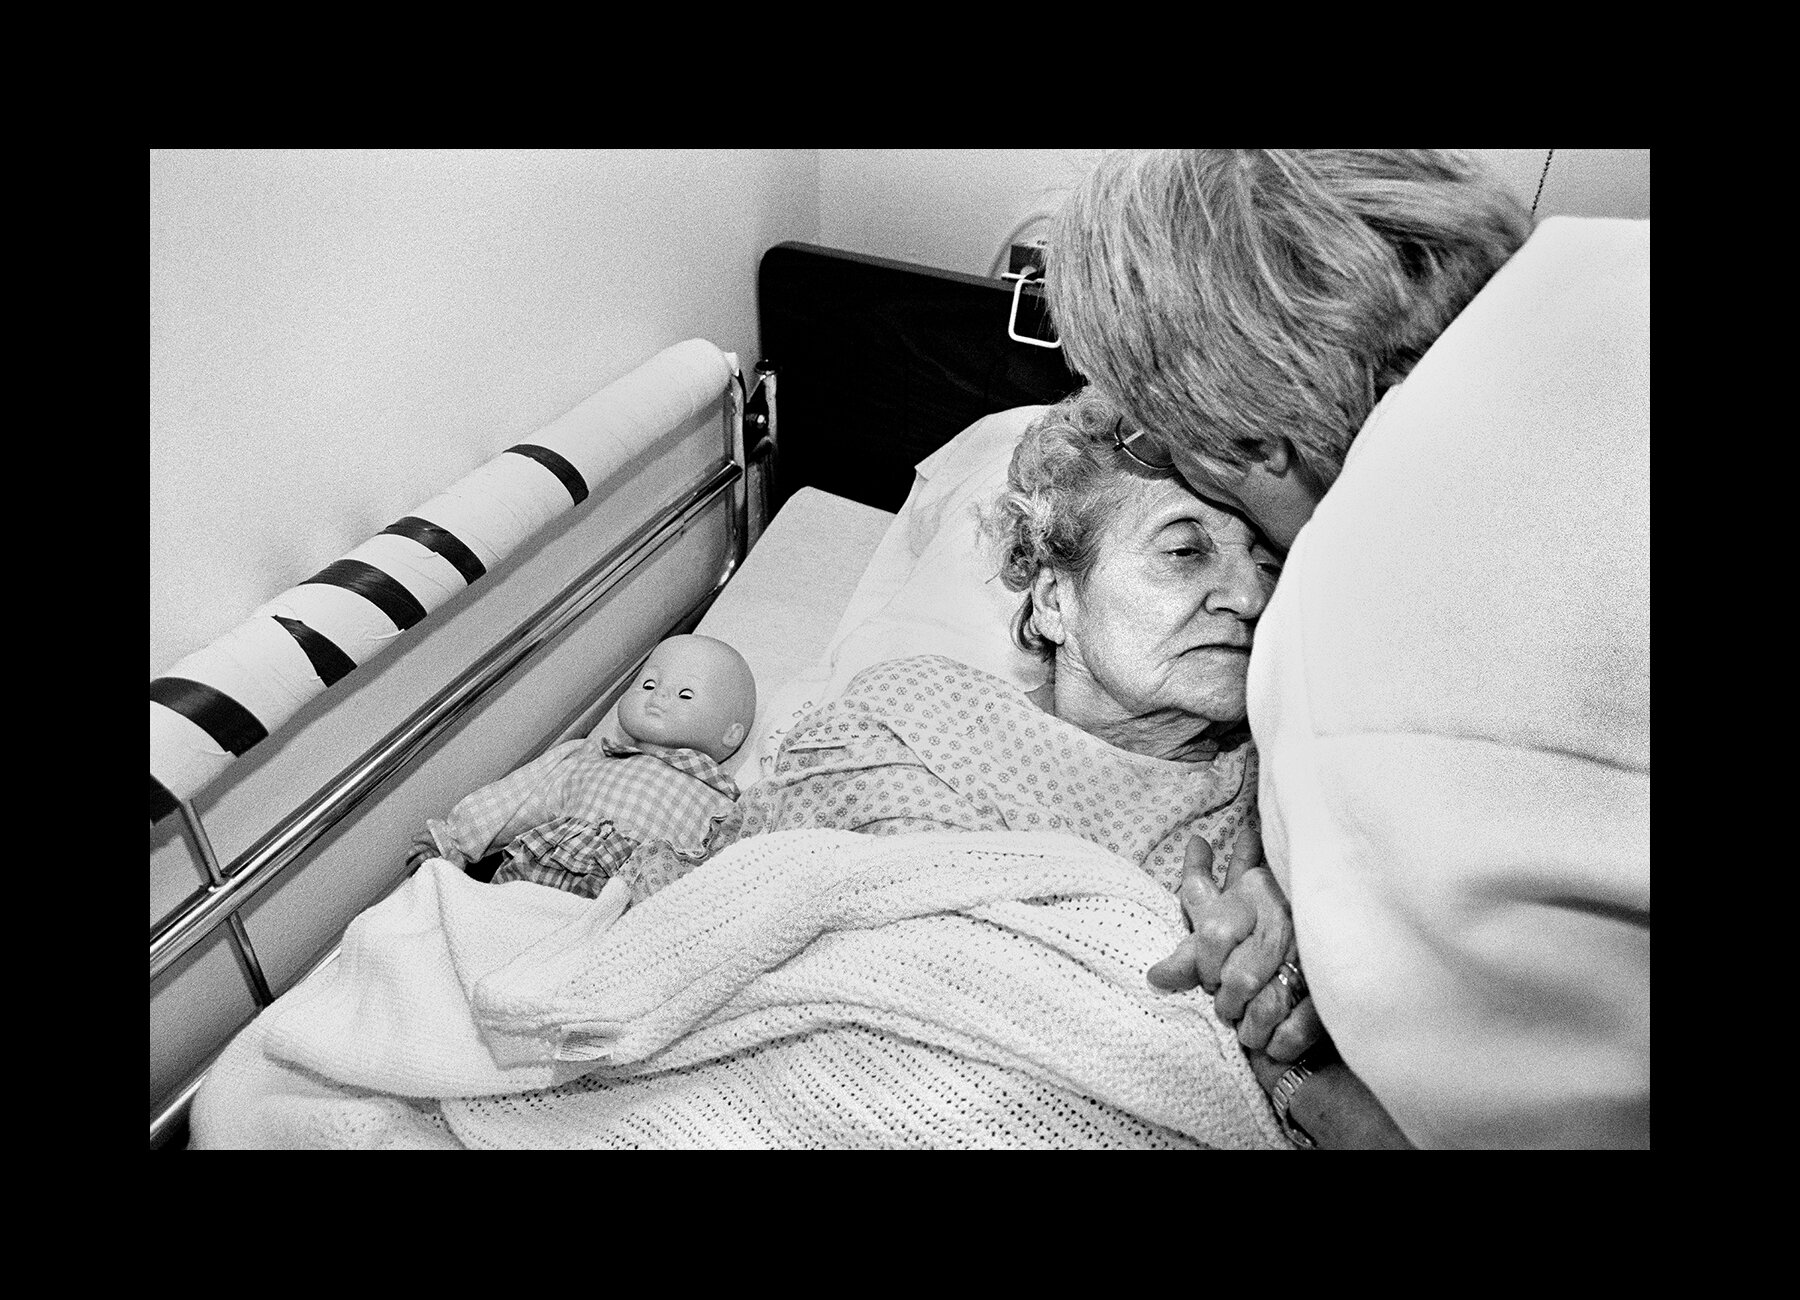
column 577, row 817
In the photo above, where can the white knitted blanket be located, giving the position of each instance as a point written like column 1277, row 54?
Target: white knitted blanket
column 803, row 989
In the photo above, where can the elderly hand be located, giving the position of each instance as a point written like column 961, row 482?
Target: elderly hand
column 1242, row 937
column 421, row 848
column 424, row 845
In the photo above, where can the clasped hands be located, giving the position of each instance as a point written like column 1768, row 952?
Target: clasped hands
column 1240, row 937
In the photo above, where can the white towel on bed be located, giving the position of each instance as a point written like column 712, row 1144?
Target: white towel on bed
column 350, row 1057
column 392, row 1014
column 996, row 979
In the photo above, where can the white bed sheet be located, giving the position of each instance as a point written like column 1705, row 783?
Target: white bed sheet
column 810, row 568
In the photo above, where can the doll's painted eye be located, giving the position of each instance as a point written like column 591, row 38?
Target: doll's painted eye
column 685, row 693
column 649, row 683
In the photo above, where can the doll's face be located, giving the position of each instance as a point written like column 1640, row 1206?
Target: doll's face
column 694, row 693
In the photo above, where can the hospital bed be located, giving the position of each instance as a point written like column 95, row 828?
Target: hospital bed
column 815, row 512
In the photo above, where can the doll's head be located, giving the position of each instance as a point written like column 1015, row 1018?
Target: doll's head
column 694, row 692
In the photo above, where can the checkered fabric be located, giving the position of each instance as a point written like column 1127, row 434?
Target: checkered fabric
column 575, row 817
column 928, row 744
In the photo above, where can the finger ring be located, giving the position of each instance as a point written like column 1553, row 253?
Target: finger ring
column 1292, row 981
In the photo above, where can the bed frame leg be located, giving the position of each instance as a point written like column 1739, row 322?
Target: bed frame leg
column 240, row 937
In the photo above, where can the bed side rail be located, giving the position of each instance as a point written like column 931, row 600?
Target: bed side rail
column 740, row 476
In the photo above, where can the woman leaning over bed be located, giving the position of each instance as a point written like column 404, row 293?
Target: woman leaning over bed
column 1374, row 357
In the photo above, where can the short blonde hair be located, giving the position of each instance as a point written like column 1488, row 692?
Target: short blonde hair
column 1067, row 481
column 1225, row 297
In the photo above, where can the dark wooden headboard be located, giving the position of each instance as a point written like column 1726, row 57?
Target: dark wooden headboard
column 879, row 363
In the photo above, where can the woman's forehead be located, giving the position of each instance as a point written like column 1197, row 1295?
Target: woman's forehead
column 1166, row 501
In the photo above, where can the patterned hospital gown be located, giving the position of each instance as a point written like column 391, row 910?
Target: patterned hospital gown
column 576, row 817
column 932, row 744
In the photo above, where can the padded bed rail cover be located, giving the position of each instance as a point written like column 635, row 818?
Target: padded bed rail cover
column 880, row 363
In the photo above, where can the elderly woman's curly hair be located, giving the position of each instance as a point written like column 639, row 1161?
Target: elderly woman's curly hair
column 1225, row 297
column 1066, row 483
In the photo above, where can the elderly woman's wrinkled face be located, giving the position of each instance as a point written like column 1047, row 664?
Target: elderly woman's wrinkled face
column 1164, row 618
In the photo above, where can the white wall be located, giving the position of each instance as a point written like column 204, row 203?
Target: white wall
column 335, row 336
column 954, row 208
column 948, row 208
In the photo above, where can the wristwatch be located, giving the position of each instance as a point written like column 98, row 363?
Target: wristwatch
column 1283, row 1095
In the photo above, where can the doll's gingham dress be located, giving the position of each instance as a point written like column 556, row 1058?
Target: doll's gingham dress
column 928, row 743
column 574, row 818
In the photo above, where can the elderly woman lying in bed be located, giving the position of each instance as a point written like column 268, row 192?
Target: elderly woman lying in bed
column 1142, row 600
column 809, row 987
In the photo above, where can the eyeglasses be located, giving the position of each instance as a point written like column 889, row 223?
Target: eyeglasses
column 1123, row 442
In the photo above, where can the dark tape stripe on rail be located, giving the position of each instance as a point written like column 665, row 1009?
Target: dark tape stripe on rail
column 570, row 476
column 229, row 723
column 331, row 663
column 441, row 541
column 162, row 803
column 374, row 586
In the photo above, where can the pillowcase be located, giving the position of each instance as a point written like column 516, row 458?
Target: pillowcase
column 933, row 585
column 971, row 466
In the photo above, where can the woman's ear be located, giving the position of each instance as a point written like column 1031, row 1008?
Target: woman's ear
column 1048, row 589
column 1274, row 455
column 1279, row 491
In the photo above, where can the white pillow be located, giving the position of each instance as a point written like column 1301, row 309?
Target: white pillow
column 932, row 586
column 971, row 465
